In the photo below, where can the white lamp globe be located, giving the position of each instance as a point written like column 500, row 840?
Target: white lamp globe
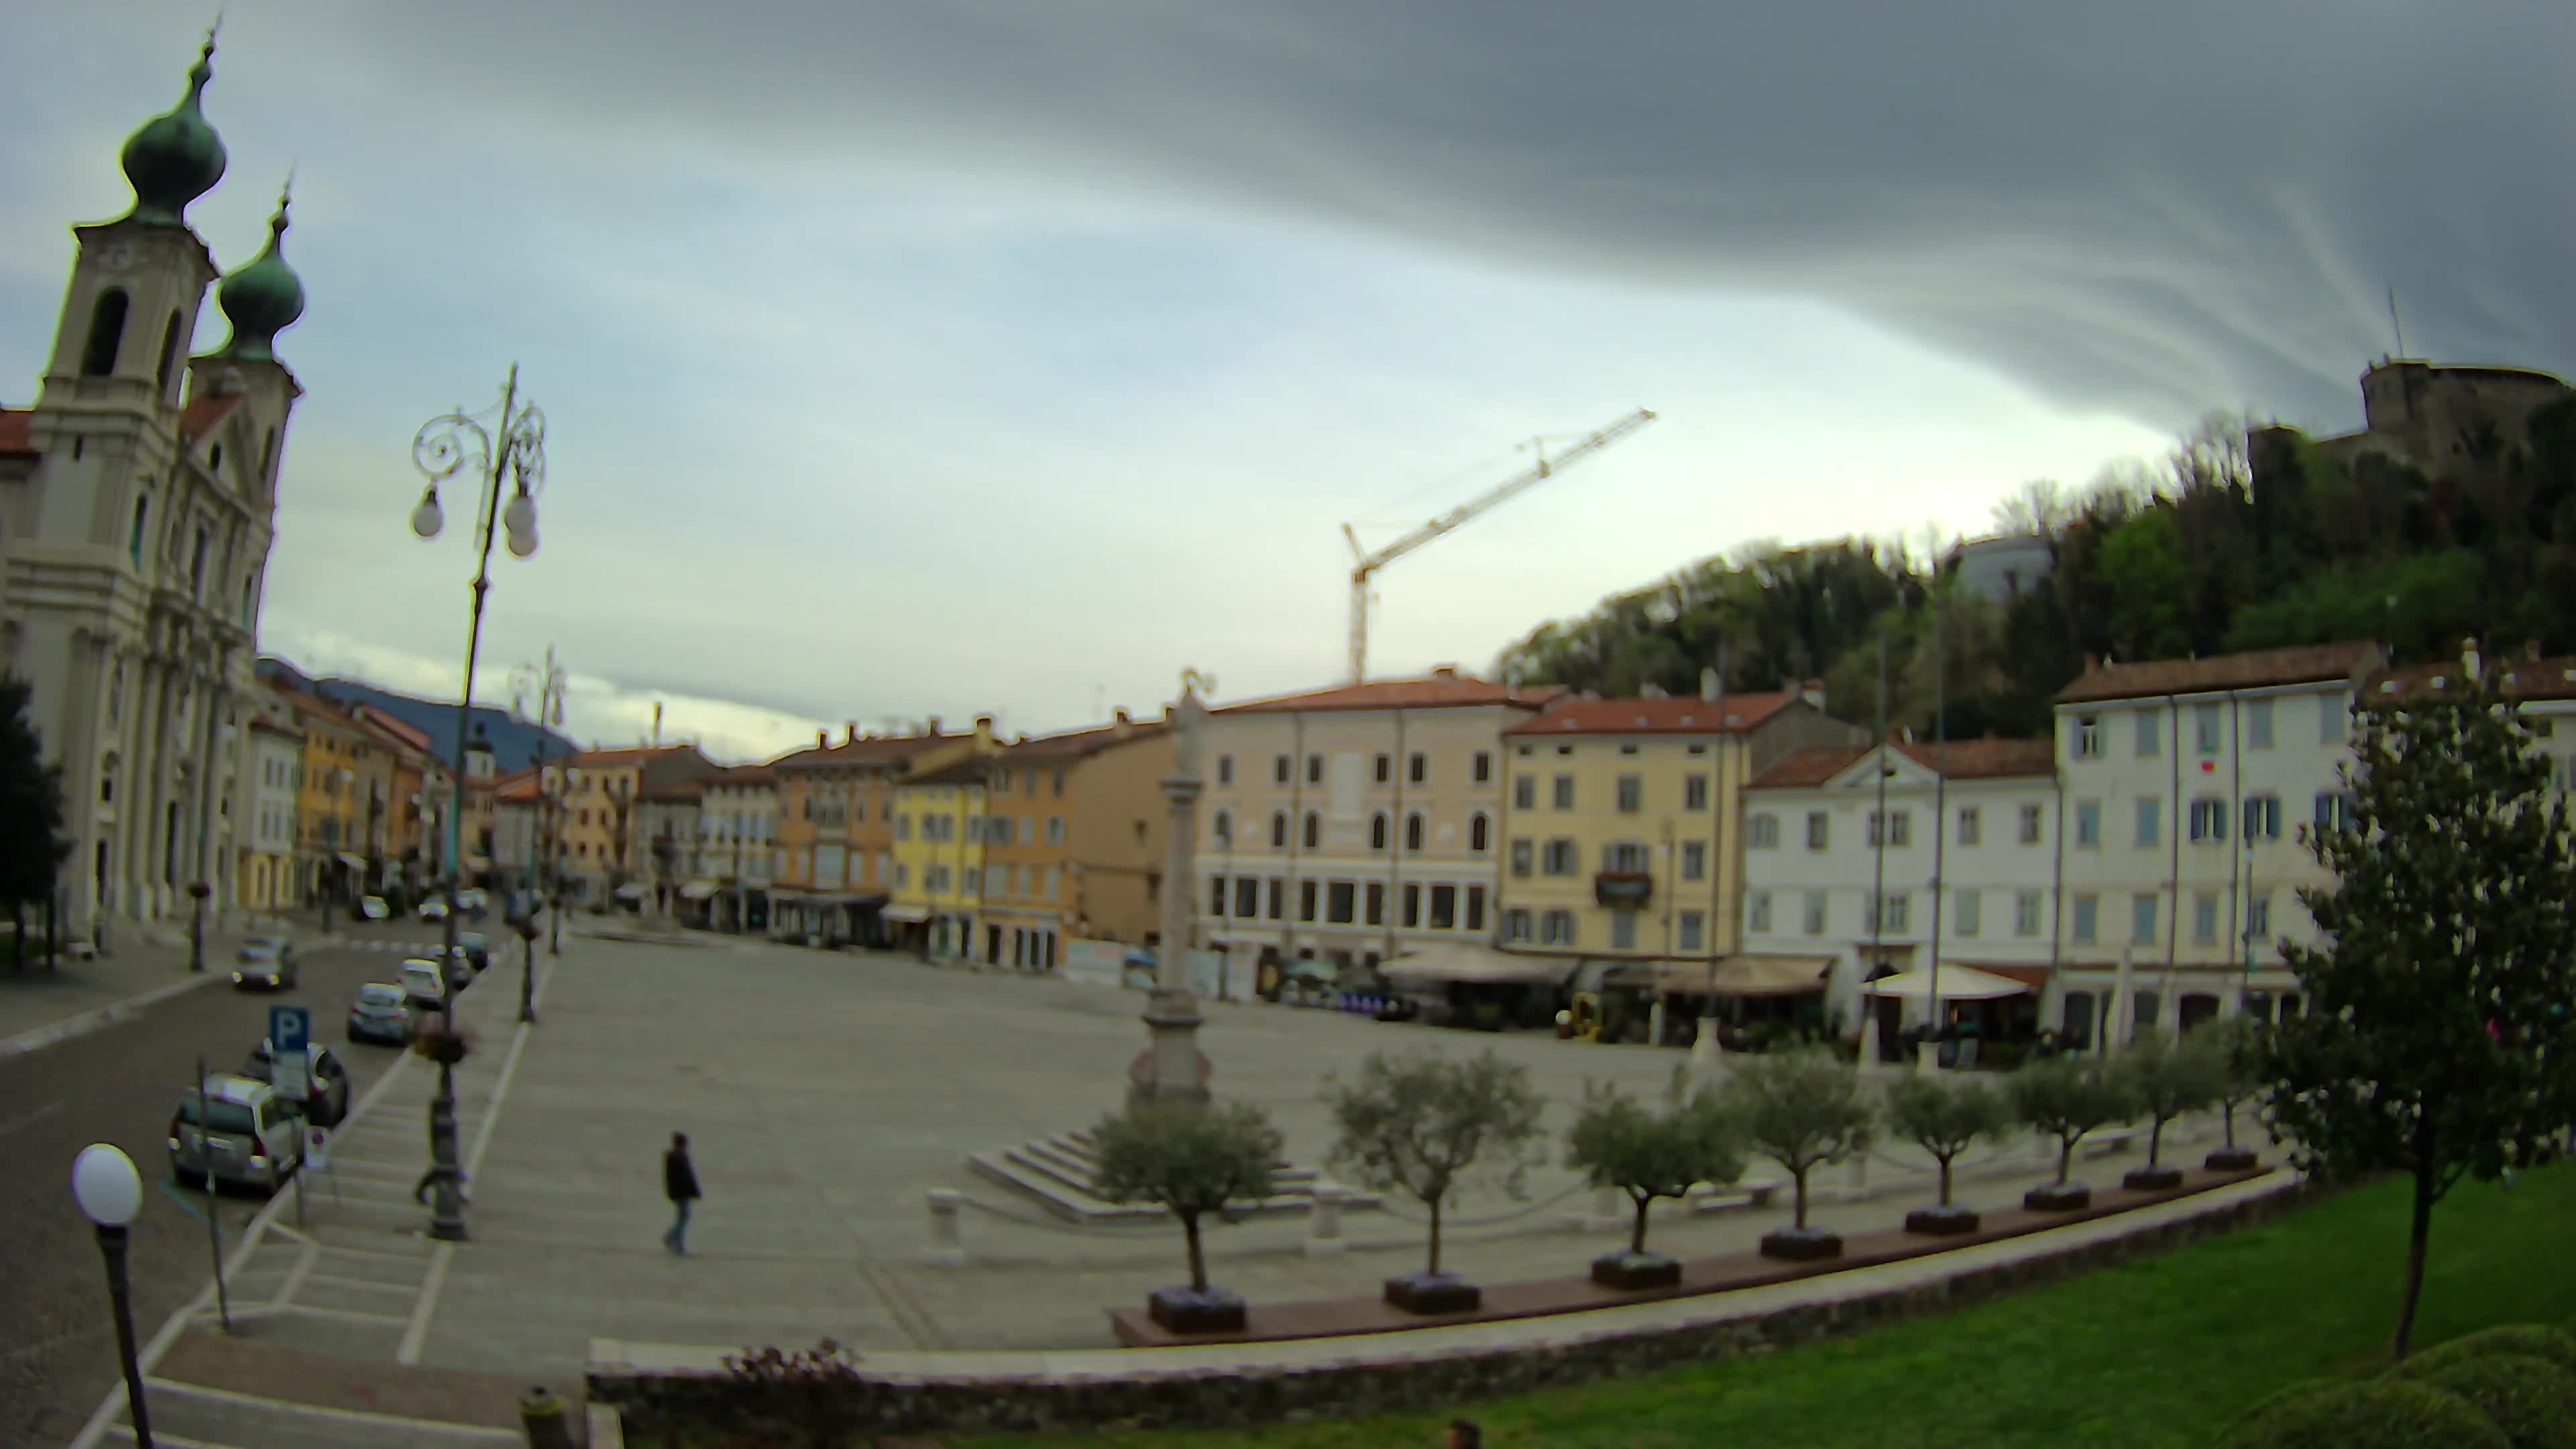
column 519, row 515
column 104, row 1182
column 523, row 544
column 427, row 519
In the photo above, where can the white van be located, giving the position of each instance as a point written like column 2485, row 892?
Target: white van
column 424, row 989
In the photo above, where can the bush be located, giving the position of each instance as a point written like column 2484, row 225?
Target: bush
column 2531, row 1399
column 1192, row 1160
column 2529, row 1340
column 2372, row 1414
column 1649, row 1153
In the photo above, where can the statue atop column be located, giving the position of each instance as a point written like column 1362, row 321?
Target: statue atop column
column 1171, row 1068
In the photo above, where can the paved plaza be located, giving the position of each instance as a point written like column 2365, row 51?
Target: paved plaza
column 824, row 1094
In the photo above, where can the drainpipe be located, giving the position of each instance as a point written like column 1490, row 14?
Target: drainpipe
column 1396, row 767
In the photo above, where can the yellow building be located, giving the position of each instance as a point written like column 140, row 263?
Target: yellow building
column 346, row 771
column 939, row 856
column 602, row 824
column 835, row 842
column 1620, row 820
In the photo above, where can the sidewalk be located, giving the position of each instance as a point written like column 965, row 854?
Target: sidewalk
column 40, row 1006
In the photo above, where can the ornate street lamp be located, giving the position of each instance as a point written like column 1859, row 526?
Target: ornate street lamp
column 506, row 455
column 110, row 1194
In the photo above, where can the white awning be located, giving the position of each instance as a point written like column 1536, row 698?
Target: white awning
column 698, row 890
column 351, row 861
column 1958, row 983
column 907, row 915
column 1478, row 964
column 629, row 892
column 1747, row 976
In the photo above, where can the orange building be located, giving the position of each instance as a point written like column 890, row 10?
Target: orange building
column 601, row 824
column 1073, row 841
column 835, row 833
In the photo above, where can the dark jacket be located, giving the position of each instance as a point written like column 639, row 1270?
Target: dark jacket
column 679, row 1179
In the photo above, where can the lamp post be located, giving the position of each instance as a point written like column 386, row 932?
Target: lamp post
column 548, row 686
column 1170, row 1068
column 110, row 1194
column 505, row 454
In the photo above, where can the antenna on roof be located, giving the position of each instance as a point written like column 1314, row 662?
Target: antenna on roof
column 2395, row 323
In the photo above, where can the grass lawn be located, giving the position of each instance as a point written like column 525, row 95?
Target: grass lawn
column 2152, row 1354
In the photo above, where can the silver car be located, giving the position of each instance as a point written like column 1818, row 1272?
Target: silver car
column 265, row 963
column 241, row 1129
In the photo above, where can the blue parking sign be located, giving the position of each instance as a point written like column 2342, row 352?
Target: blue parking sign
column 289, row 1029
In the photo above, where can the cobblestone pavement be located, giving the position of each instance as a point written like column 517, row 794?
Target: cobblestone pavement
column 120, row 1084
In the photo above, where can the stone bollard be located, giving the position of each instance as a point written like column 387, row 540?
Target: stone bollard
column 1858, row 1188
column 947, row 1236
column 1609, row 1212
column 1324, row 1224
column 543, row 1416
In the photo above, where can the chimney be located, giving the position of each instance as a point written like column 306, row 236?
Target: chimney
column 983, row 726
column 2092, row 663
column 1445, row 673
column 1121, row 723
column 2469, row 658
column 2531, row 650
column 822, row 739
column 930, row 726
column 849, row 732
column 1708, row 684
column 1812, row 691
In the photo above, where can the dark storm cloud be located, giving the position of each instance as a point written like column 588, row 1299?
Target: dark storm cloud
column 2159, row 208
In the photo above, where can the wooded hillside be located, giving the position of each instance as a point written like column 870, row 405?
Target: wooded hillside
column 2185, row 555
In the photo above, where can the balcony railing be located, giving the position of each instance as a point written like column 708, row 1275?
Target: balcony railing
column 1626, row 888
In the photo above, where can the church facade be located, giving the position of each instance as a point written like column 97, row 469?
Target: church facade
column 137, row 502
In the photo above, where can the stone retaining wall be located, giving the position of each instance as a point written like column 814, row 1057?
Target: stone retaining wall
column 1218, row 1397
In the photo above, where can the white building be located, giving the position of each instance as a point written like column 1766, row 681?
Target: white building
column 2186, row 781
column 1813, row 863
column 136, row 501
column 270, row 877
column 737, row 846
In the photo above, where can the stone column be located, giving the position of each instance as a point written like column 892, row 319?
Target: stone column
column 210, row 823
column 1169, row 1070
column 1324, row 1225
column 947, row 1240
column 145, row 779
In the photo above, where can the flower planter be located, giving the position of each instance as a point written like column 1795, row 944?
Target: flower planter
column 2230, row 1159
column 1801, row 1245
column 2058, row 1197
column 2152, row 1179
column 1941, row 1222
column 1632, row 1272
column 1429, row 1293
column 1186, row 1310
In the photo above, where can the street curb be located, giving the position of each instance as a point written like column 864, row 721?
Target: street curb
column 100, row 1018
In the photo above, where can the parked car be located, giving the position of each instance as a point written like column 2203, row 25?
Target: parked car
column 478, row 952
column 424, row 986
column 380, row 1014
column 474, row 903
column 434, row 909
column 326, row 1090
column 239, row 1129
column 265, row 964
column 373, row 908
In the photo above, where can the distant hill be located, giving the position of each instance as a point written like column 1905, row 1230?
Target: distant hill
column 515, row 744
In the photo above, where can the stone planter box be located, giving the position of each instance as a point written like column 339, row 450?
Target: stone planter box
column 2058, row 1197
column 1801, row 1245
column 1632, row 1272
column 2152, row 1179
column 2230, row 1159
column 1183, row 1310
column 1428, row 1293
column 1942, row 1222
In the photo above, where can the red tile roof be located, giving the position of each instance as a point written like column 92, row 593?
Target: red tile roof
column 1433, row 691
column 970, row 771
column 1658, row 716
column 202, row 413
column 621, row 758
column 1979, row 759
column 1080, row 744
column 2524, row 678
column 2259, row 669
column 17, row 433
column 865, row 750
column 741, row 776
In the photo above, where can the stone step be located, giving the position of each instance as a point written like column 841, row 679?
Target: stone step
column 191, row 1413
column 1077, row 1143
column 1072, row 1198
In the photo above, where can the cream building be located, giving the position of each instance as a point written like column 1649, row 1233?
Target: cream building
column 269, row 879
column 1356, row 823
column 2186, row 781
column 1848, row 895
column 737, row 847
column 136, row 505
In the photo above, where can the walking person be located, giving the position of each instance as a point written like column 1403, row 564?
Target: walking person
column 680, row 1185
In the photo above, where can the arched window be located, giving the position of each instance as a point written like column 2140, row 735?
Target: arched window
column 106, row 333
column 169, row 352
column 1480, row 833
column 1413, row 832
column 142, row 514
column 215, row 458
column 1377, row 831
column 1224, row 825
column 1278, row 830
column 1314, row 830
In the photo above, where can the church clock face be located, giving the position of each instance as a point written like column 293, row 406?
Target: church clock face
column 119, row 257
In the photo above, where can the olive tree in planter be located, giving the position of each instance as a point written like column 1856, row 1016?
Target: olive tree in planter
column 1802, row 1109
column 1418, row 1124
column 1945, row 1116
column 2068, row 1098
column 2234, row 1049
column 2165, row 1079
column 1193, row 1160
column 1649, row 1153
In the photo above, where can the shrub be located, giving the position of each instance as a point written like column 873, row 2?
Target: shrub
column 2371, row 1414
column 1419, row 1124
column 815, row 1395
column 2531, row 1399
column 2165, row 1079
column 1803, row 1110
column 1190, row 1159
column 2530, row 1340
column 1648, row 1153
column 2068, row 1099
column 1945, row 1117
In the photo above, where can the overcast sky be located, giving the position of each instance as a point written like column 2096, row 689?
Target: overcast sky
column 939, row 358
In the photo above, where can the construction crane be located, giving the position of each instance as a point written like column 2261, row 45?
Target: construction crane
column 1365, row 564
